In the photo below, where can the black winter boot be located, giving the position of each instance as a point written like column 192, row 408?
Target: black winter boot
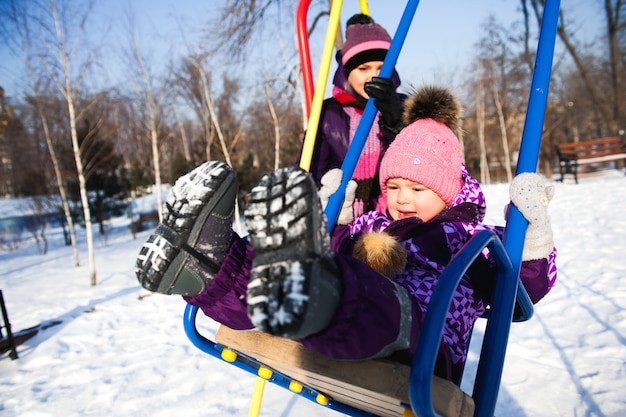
column 190, row 243
column 294, row 289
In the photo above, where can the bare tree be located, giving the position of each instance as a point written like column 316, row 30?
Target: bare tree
column 501, row 122
column 191, row 79
column 480, row 122
column 99, row 156
column 55, row 39
column 23, row 38
column 609, row 102
column 150, row 100
column 128, row 130
column 183, row 136
column 68, row 86
column 211, row 108
column 270, row 105
column 241, row 22
column 500, row 75
column 42, row 112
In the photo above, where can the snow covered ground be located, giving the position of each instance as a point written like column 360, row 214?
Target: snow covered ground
column 119, row 352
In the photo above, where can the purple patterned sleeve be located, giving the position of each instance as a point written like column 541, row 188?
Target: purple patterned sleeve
column 471, row 193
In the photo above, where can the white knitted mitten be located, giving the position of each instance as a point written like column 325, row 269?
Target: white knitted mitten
column 330, row 183
column 531, row 193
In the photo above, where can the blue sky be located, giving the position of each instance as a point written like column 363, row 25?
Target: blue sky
column 443, row 33
column 439, row 45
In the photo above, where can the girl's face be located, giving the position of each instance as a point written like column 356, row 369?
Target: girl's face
column 407, row 198
column 362, row 74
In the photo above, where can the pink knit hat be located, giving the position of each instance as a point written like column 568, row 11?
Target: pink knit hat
column 427, row 152
column 364, row 43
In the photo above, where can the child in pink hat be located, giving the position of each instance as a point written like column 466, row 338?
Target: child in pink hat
column 431, row 212
column 428, row 219
column 363, row 292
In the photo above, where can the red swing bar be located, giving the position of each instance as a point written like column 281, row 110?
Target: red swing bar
column 305, row 53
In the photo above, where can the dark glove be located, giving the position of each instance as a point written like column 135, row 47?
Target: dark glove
column 387, row 101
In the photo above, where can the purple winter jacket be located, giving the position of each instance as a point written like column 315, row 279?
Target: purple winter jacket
column 333, row 136
column 378, row 317
column 430, row 247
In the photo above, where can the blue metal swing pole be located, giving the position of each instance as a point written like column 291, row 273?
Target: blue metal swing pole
column 489, row 373
column 360, row 136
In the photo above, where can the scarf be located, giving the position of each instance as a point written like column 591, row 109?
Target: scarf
column 366, row 171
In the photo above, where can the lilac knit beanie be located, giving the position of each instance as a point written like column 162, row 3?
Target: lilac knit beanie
column 427, row 152
column 364, row 43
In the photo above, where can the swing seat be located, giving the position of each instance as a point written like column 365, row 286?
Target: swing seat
column 385, row 388
column 380, row 387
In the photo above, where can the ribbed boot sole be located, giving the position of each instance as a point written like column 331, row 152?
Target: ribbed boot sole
column 193, row 198
column 284, row 222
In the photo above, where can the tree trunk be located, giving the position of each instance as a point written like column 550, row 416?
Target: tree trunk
column 613, row 28
column 68, row 92
column 60, row 186
column 183, row 136
column 216, row 124
column 156, row 162
column 151, row 104
column 502, row 123
column 276, row 128
column 598, row 97
column 480, row 122
column 82, row 185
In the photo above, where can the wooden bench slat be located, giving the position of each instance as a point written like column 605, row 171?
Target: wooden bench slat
column 592, row 142
column 606, row 157
column 376, row 386
column 591, row 151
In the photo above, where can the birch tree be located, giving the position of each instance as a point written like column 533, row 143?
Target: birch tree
column 272, row 110
column 501, row 122
column 480, row 123
column 150, row 101
column 25, row 40
column 58, row 174
column 211, row 109
column 64, row 53
column 56, row 41
column 192, row 81
column 240, row 26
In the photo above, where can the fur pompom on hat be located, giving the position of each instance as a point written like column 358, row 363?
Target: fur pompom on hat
column 427, row 150
column 381, row 252
column 365, row 42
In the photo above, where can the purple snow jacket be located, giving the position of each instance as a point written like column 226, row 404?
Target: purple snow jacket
column 430, row 247
column 376, row 316
column 333, row 137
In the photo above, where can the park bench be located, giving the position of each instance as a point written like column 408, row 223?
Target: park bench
column 589, row 152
